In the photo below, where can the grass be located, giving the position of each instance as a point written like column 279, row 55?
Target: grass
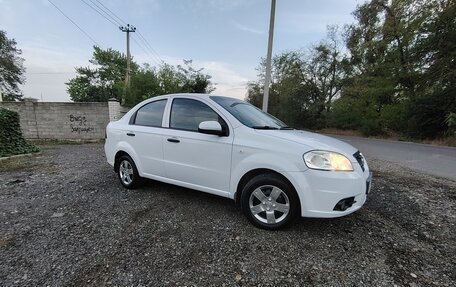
column 63, row 141
column 334, row 131
column 17, row 163
column 4, row 242
column 44, row 164
column 449, row 141
column 25, row 162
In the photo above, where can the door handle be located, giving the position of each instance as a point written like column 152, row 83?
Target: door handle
column 130, row 134
column 173, row 140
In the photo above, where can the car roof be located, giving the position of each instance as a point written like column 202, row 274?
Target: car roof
column 188, row 95
column 194, row 95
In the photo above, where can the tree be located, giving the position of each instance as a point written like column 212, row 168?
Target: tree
column 327, row 67
column 194, row 81
column 149, row 81
column 372, row 57
column 106, row 79
column 304, row 84
column 11, row 68
column 398, row 73
column 430, row 112
column 402, row 54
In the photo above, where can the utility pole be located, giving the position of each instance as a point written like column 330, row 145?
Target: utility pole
column 268, row 58
column 129, row 28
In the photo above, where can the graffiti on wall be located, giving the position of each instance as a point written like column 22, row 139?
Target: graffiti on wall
column 79, row 124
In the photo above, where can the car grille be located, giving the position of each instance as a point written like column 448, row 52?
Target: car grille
column 359, row 157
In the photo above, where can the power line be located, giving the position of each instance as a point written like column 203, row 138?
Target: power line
column 109, row 15
column 96, row 10
column 141, row 37
column 147, row 53
column 74, row 23
column 106, row 13
column 114, row 14
column 150, row 46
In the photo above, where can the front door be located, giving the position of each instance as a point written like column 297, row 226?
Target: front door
column 194, row 158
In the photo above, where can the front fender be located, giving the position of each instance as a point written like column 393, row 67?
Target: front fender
column 244, row 164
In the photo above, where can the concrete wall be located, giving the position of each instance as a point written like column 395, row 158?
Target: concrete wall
column 41, row 120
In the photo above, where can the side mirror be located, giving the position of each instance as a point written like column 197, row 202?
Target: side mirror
column 211, row 128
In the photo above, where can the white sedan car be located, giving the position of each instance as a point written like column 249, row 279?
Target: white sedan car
column 230, row 148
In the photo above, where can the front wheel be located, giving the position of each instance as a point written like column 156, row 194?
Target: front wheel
column 269, row 202
column 128, row 173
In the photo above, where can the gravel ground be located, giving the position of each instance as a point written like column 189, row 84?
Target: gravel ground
column 66, row 221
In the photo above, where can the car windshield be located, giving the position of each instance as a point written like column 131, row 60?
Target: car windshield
column 249, row 115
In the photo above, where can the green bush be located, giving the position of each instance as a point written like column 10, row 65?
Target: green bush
column 427, row 115
column 451, row 122
column 11, row 140
column 354, row 114
column 371, row 127
column 393, row 117
column 346, row 114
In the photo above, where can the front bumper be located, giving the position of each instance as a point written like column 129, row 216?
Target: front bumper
column 321, row 191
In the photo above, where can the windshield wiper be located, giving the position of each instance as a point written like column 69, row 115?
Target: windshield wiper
column 286, row 128
column 264, row 128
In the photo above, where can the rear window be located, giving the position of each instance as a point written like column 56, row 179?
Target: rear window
column 151, row 114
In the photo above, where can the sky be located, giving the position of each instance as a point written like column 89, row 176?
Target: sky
column 225, row 37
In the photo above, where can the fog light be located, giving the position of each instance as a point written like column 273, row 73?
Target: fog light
column 344, row 204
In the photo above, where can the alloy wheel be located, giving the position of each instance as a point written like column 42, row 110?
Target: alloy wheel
column 269, row 204
column 126, row 172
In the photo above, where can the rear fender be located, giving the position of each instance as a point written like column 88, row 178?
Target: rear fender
column 126, row 147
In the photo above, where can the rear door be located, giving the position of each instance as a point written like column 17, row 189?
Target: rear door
column 145, row 134
column 198, row 159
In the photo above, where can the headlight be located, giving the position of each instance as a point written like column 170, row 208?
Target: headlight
column 325, row 160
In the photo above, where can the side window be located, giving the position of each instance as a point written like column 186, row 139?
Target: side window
column 187, row 114
column 150, row 114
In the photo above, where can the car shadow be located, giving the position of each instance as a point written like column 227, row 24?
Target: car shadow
column 219, row 207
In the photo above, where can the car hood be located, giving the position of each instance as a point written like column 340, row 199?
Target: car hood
column 313, row 141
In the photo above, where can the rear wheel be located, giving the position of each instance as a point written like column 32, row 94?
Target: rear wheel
column 269, row 202
column 128, row 173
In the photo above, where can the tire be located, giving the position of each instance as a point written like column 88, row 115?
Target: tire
column 128, row 173
column 269, row 202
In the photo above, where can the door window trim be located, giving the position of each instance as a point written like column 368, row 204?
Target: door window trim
column 132, row 120
column 187, row 130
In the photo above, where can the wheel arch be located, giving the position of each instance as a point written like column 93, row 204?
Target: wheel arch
column 118, row 155
column 125, row 148
column 254, row 172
